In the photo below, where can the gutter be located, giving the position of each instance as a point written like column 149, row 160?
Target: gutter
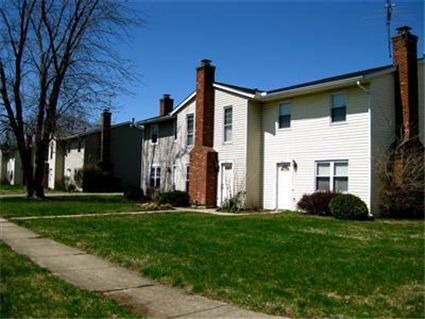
column 264, row 96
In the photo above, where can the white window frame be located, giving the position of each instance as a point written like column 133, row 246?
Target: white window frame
column 187, row 129
column 157, row 134
column 331, row 107
column 287, row 103
column 228, row 125
column 331, row 174
column 157, row 176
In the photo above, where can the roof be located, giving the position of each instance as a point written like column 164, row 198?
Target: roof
column 239, row 88
column 334, row 78
column 157, row 119
column 93, row 131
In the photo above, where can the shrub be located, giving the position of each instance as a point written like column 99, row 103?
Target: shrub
column 317, row 203
column 133, row 193
column 97, row 180
column 71, row 188
column 174, row 198
column 234, row 203
column 348, row 206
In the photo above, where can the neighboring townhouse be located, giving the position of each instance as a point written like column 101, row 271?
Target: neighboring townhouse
column 118, row 146
column 10, row 166
column 275, row 146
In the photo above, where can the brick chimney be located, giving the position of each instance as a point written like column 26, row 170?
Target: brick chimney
column 105, row 136
column 405, row 59
column 203, row 158
column 166, row 104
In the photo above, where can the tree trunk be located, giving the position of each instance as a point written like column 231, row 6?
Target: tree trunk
column 40, row 159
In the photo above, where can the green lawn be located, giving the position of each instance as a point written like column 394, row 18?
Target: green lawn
column 292, row 265
column 28, row 291
column 63, row 205
column 11, row 189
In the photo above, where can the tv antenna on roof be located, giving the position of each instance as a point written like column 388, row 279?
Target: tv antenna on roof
column 389, row 14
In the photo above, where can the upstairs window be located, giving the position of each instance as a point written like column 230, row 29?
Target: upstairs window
column 175, row 129
column 332, row 176
column 284, row 115
column 154, row 134
column 155, row 177
column 189, row 129
column 228, row 115
column 338, row 107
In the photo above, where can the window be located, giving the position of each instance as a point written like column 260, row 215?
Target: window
column 338, row 107
column 332, row 176
column 79, row 146
column 228, row 114
column 284, row 115
column 174, row 177
column 155, row 177
column 154, row 134
column 52, row 148
column 175, row 130
column 187, row 177
column 189, row 127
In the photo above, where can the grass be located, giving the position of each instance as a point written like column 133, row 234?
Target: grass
column 27, row 290
column 63, row 205
column 291, row 265
column 6, row 189
column 11, row 189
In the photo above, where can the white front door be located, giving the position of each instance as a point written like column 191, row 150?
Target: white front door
column 226, row 187
column 284, row 186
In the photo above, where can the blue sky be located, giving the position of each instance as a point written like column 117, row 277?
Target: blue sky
column 264, row 44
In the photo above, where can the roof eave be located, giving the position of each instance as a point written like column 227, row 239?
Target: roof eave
column 310, row 89
column 234, row 91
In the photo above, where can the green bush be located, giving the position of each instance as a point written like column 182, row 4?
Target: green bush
column 348, row 206
column 233, row 204
column 317, row 203
column 97, row 180
column 175, row 198
column 133, row 193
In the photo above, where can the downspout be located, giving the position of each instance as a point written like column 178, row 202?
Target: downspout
column 369, row 112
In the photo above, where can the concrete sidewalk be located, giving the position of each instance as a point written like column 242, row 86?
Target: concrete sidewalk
column 141, row 295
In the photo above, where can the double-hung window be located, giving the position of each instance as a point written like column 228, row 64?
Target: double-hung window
column 228, row 115
column 338, row 107
column 154, row 134
column 332, row 176
column 155, row 177
column 284, row 115
column 189, row 129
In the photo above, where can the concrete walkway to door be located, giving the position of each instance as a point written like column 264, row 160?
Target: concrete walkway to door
column 139, row 294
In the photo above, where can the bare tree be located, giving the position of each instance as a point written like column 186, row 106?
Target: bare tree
column 402, row 183
column 57, row 57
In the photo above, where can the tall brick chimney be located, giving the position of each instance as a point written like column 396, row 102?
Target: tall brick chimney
column 203, row 158
column 166, row 104
column 405, row 59
column 408, row 149
column 105, row 137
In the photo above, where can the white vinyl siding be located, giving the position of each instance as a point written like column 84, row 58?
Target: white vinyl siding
column 382, row 129
column 182, row 151
column 234, row 152
column 311, row 138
